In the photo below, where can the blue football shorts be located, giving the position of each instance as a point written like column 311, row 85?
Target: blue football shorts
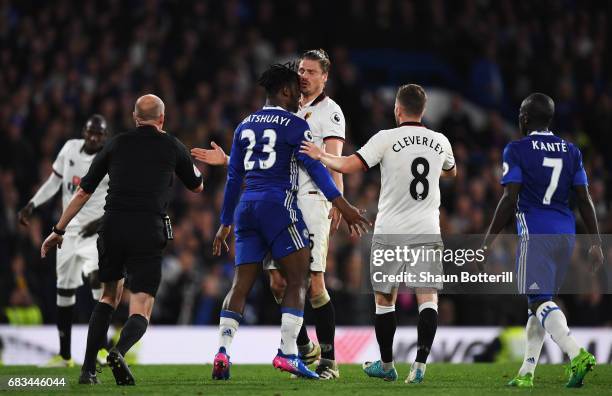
column 262, row 227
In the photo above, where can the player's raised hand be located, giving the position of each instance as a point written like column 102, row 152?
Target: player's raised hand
column 311, row 150
column 353, row 216
column 220, row 239
column 336, row 219
column 596, row 256
column 25, row 214
column 52, row 241
column 214, row 157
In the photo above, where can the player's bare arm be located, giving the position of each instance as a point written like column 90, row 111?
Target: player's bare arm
column 334, row 146
column 215, row 156
column 587, row 211
column 79, row 199
column 342, row 164
column 449, row 173
column 90, row 228
column 503, row 213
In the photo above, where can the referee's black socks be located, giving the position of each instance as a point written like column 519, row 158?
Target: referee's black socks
column 325, row 324
column 385, row 325
column 426, row 329
column 98, row 327
column 134, row 329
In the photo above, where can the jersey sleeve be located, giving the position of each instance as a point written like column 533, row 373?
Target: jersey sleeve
column 511, row 166
column 58, row 164
column 334, row 124
column 372, row 152
column 315, row 169
column 185, row 169
column 580, row 176
column 449, row 159
column 233, row 185
column 98, row 168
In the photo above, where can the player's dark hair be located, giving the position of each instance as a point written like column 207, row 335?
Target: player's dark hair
column 278, row 76
column 412, row 98
column 318, row 55
column 96, row 123
column 539, row 109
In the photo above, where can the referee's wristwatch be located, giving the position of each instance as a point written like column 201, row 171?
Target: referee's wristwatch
column 58, row 231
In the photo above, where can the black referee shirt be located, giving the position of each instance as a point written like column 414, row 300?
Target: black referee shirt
column 141, row 165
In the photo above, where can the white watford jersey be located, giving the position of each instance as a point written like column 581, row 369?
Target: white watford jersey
column 326, row 121
column 411, row 159
column 72, row 164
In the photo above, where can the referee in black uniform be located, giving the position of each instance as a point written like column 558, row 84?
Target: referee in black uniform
column 141, row 165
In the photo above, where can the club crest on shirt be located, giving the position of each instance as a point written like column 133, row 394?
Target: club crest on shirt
column 71, row 162
column 335, row 117
column 307, row 115
column 308, row 136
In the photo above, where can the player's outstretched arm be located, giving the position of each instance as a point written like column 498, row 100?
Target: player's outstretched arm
column 503, row 213
column 589, row 216
column 342, row 164
column 44, row 193
column 214, row 157
column 79, row 199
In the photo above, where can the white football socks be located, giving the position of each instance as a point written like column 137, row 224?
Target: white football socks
column 227, row 331
column 553, row 320
column 535, row 339
column 290, row 327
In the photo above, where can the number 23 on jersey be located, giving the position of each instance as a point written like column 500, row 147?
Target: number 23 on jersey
column 269, row 141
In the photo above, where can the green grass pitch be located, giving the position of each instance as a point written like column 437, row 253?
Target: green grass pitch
column 441, row 379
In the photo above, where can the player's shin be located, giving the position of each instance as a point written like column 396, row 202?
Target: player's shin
column 426, row 330
column 65, row 307
column 291, row 322
column 228, row 326
column 535, row 339
column 385, row 326
column 325, row 322
column 555, row 323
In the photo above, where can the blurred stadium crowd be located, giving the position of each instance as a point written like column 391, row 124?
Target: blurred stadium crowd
column 62, row 61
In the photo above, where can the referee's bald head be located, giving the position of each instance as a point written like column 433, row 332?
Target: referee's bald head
column 149, row 108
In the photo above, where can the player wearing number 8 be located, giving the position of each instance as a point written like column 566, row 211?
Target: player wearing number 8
column 412, row 159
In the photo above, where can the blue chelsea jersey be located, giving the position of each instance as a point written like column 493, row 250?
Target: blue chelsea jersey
column 265, row 155
column 547, row 167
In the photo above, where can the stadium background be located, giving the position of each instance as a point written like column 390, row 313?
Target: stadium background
column 62, row 61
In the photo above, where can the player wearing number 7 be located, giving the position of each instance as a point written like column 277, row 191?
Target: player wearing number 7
column 412, row 159
column 539, row 172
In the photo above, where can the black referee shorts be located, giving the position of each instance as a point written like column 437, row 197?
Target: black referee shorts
column 130, row 246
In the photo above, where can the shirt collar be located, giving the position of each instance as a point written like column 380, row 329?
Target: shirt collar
column 411, row 123
column 544, row 133
column 274, row 108
column 316, row 100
